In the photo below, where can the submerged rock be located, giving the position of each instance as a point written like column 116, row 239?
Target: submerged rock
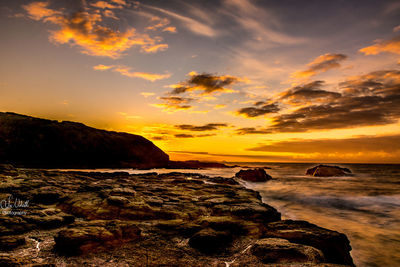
column 327, row 171
column 254, row 175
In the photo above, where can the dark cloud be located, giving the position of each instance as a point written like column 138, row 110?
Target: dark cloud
column 173, row 103
column 309, row 92
column 184, row 136
column 321, row 64
column 158, row 138
column 192, row 136
column 208, row 83
column 252, row 130
column 370, row 99
column 383, row 83
column 361, row 144
column 258, row 110
column 206, row 127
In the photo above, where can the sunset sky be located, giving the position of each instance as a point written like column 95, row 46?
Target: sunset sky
column 233, row 80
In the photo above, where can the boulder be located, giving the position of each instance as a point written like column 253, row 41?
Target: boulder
column 253, row 175
column 277, row 250
column 92, row 236
column 334, row 245
column 327, row 171
column 210, row 241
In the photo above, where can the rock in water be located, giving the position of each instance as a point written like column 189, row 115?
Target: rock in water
column 253, row 175
column 32, row 142
column 327, row 171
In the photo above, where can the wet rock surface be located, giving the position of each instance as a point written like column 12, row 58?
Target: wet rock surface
column 115, row 219
column 254, row 175
column 328, row 171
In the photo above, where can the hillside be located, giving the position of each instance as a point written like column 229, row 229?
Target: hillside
column 32, row 142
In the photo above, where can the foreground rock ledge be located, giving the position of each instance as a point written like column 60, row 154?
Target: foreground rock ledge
column 175, row 219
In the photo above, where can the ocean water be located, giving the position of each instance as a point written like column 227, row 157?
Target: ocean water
column 365, row 206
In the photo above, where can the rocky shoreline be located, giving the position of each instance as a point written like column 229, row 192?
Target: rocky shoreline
column 52, row 218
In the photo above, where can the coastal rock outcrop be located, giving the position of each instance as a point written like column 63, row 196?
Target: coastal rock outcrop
column 31, row 142
column 327, row 171
column 178, row 219
column 253, row 175
column 277, row 250
column 334, row 245
column 85, row 237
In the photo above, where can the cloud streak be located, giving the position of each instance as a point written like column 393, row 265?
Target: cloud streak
column 191, row 24
column 202, row 128
column 321, row 64
column 126, row 71
column 174, row 103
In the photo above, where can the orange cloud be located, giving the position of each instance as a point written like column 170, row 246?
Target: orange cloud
column 154, row 48
column 126, row 71
column 160, row 23
column 110, row 14
column 321, row 64
column 391, row 46
column 83, row 29
column 102, row 67
column 170, row 29
column 119, row 2
column 147, row 94
column 104, row 5
column 39, row 11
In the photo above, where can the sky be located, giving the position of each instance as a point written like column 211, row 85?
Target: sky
column 215, row 80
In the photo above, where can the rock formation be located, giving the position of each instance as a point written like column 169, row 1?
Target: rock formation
column 175, row 219
column 327, row 171
column 254, row 175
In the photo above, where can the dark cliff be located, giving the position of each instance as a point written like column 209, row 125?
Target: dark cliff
column 33, row 142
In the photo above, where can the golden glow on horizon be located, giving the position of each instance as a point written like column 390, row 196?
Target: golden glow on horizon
column 285, row 88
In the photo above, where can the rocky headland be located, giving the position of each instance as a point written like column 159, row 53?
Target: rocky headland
column 52, row 218
column 40, row 143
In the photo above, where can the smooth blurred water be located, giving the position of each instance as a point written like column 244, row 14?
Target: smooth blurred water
column 365, row 206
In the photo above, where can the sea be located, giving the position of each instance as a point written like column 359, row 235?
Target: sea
column 365, row 206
